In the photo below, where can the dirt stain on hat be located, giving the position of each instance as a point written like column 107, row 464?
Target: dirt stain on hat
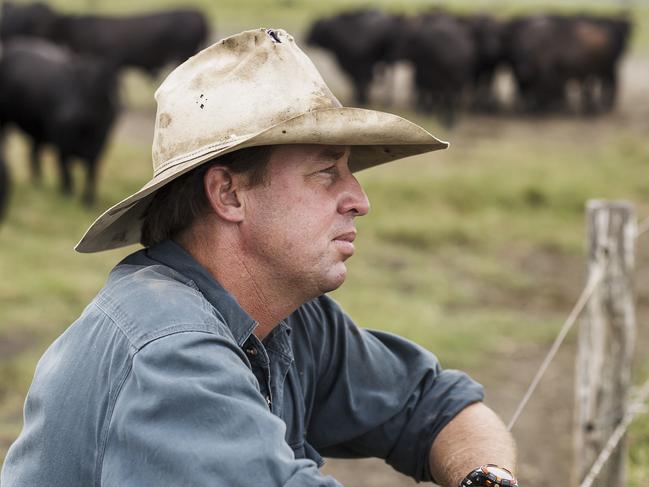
column 164, row 120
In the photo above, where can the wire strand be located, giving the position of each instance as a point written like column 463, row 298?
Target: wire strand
column 636, row 406
column 643, row 227
column 590, row 287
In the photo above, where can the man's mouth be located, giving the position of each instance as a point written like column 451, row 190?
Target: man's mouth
column 347, row 237
column 344, row 242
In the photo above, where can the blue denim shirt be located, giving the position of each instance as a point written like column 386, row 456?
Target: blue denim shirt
column 161, row 382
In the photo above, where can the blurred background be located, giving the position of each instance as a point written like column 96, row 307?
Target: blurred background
column 477, row 252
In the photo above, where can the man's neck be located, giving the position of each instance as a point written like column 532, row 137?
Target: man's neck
column 267, row 304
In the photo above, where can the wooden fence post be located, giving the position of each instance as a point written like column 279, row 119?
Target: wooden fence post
column 606, row 339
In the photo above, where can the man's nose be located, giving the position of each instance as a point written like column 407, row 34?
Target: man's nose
column 355, row 199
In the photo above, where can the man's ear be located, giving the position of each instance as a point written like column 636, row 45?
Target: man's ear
column 222, row 189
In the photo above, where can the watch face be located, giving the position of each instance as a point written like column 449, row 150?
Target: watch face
column 498, row 472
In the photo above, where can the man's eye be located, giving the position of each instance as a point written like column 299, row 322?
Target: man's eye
column 330, row 170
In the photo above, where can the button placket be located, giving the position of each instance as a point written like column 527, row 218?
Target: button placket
column 260, row 363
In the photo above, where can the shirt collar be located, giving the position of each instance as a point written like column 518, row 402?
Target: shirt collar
column 173, row 255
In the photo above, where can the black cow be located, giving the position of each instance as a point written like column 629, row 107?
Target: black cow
column 359, row 40
column 529, row 52
column 146, row 41
column 17, row 20
column 60, row 98
column 487, row 33
column 592, row 58
column 443, row 54
column 548, row 51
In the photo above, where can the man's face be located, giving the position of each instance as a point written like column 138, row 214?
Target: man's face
column 299, row 226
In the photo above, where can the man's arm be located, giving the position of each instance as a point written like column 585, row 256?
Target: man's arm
column 376, row 394
column 475, row 436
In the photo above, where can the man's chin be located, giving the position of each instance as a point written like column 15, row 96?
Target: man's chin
column 336, row 279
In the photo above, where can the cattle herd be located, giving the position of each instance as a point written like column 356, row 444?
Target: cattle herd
column 59, row 77
column 455, row 57
column 59, row 72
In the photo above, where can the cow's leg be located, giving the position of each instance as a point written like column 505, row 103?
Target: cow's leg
column 425, row 93
column 448, row 102
column 35, row 162
column 588, row 88
column 609, row 91
column 66, row 177
column 362, row 75
column 526, row 96
column 488, row 92
column 91, row 181
column 362, row 86
column 390, row 84
column 482, row 96
column 558, row 100
column 424, row 100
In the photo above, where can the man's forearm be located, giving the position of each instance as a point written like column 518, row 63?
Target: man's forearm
column 476, row 436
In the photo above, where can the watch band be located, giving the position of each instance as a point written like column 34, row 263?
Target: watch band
column 486, row 476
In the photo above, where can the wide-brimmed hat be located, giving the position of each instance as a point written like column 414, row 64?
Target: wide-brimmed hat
column 251, row 89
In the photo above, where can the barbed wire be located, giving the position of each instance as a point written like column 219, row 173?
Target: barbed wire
column 636, row 406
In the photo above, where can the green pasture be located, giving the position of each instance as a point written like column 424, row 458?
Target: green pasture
column 473, row 252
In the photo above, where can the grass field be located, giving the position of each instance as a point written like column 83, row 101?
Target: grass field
column 477, row 252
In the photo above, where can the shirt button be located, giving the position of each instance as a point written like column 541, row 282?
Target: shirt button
column 252, row 351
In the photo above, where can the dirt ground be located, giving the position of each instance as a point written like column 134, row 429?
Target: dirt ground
column 543, row 433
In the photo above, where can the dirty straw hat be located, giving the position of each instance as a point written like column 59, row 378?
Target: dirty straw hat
column 251, row 89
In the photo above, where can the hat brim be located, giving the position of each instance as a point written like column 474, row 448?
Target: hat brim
column 376, row 138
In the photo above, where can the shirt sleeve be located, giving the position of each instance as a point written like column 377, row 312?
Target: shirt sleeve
column 190, row 413
column 379, row 395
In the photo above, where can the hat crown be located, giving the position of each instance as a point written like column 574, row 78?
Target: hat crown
column 239, row 86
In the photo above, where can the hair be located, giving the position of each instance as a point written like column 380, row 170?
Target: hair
column 176, row 206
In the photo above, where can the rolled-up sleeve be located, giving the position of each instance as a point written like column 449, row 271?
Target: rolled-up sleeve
column 190, row 413
column 379, row 395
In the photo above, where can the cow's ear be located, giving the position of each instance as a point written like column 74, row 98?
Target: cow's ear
column 222, row 189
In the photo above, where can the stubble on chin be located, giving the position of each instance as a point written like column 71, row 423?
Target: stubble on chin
column 335, row 280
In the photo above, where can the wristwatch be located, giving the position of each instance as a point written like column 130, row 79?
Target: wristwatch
column 490, row 475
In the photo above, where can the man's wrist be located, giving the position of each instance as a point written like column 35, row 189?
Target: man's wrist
column 489, row 475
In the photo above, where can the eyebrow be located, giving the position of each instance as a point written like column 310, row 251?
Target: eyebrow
column 332, row 153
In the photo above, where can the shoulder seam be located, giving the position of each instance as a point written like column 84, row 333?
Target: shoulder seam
column 175, row 329
column 218, row 325
column 117, row 325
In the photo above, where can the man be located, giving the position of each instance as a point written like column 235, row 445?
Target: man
column 214, row 356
